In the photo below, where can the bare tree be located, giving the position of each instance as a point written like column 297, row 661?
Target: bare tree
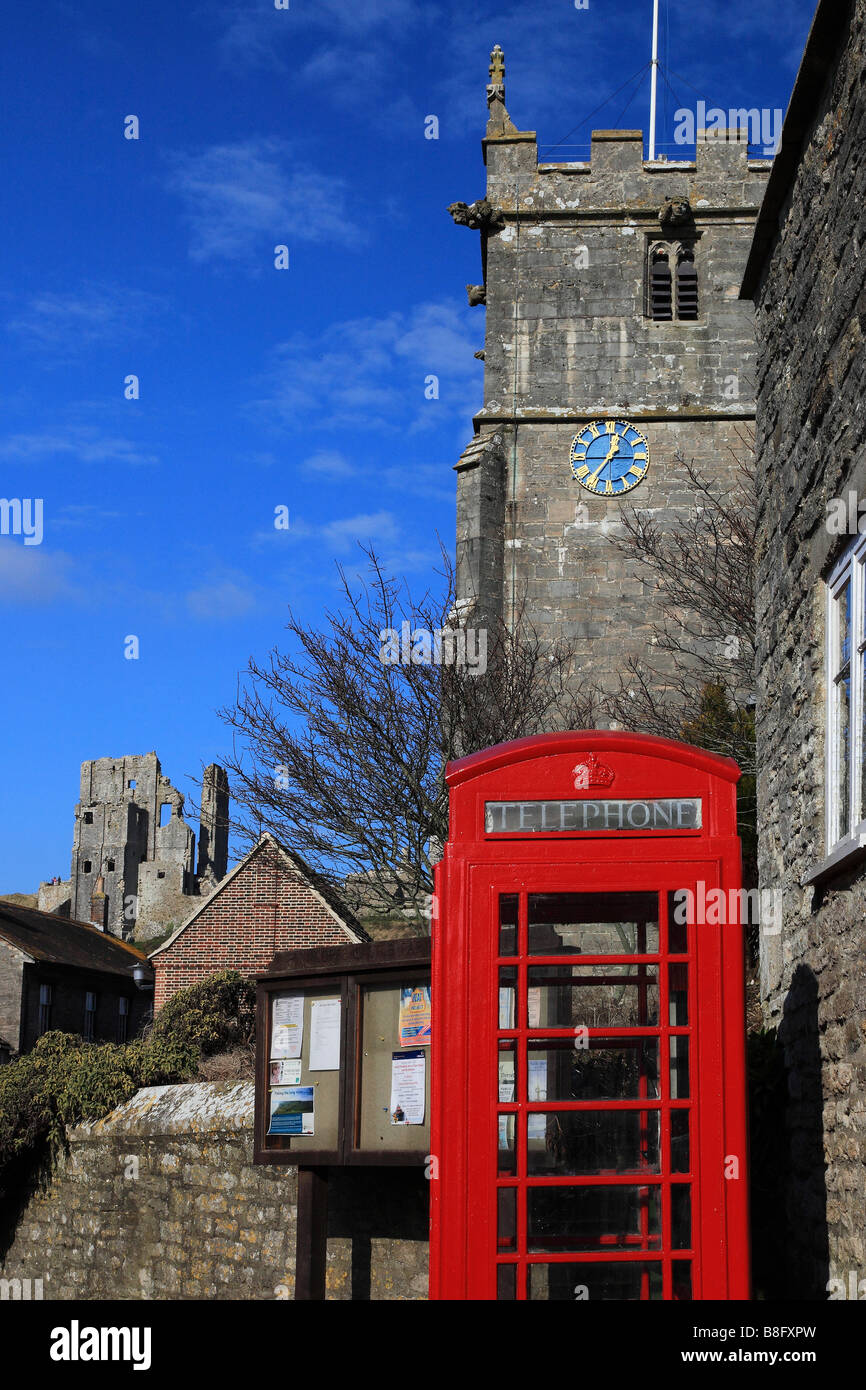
column 342, row 740
column 696, row 679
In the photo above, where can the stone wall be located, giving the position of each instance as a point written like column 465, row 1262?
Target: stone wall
column 11, row 987
column 569, row 339
column 811, row 317
column 161, row 1200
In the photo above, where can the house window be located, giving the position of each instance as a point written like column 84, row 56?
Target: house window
column 846, row 702
column 122, row 1019
column 110, row 866
column 88, row 817
column 87, row 866
column 44, row 1009
column 89, row 1016
column 672, row 282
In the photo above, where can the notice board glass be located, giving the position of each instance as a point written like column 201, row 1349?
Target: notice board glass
column 343, row 1056
column 304, row 1068
column 393, row 1112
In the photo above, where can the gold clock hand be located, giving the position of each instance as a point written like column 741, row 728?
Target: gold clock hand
column 614, row 449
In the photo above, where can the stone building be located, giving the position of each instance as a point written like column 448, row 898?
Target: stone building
column 611, row 289
column 134, row 868
column 806, row 273
column 270, row 902
column 60, row 974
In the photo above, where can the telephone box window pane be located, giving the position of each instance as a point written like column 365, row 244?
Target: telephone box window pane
column 507, row 1077
column 681, row 1216
column 596, row 996
column 507, row 1165
column 682, row 1280
column 507, row 996
column 678, row 927
column 506, row 1225
column 593, row 1218
column 506, row 1283
column 508, row 924
column 678, row 995
column 622, row 1283
column 680, row 1162
column 574, row 1143
column 679, row 1068
column 621, row 1069
column 599, row 924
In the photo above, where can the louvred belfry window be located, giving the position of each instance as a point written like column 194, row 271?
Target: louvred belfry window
column 687, row 286
column 660, row 286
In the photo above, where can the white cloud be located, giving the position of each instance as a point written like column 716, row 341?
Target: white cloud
column 223, row 596
column 331, row 463
column 370, row 373
column 241, row 200
column 374, row 528
column 63, row 323
column 82, row 442
column 32, row 575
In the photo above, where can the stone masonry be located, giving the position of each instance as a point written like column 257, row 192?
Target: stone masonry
column 145, row 859
column 566, row 251
column 161, row 1200
column 807, row 275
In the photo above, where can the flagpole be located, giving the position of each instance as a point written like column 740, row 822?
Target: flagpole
column 654, row 79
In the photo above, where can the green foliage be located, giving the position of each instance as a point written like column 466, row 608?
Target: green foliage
column 65, row 1081
column 213, row 1016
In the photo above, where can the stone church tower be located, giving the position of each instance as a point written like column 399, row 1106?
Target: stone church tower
column 615, row 341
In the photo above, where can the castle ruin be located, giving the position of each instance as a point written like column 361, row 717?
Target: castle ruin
column 134, row 870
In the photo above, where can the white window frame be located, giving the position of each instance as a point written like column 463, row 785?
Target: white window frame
column 851, row 566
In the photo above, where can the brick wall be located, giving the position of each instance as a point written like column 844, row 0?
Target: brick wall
column 265, row 907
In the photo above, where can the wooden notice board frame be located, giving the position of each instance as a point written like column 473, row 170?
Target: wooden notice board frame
column 347, row 973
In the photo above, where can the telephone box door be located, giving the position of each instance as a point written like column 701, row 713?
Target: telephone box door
column 589, row 1053
column 598, row 1080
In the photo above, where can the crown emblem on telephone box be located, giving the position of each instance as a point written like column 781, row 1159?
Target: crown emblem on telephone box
column 592, row 773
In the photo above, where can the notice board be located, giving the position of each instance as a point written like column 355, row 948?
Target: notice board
column 343, row 1055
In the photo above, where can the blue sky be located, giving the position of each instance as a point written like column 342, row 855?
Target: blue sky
column 259, row 387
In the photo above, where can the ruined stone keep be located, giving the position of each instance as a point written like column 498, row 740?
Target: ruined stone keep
column 134, row 868
column 611, row 290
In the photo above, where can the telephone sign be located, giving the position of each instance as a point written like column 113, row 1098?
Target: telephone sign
column 588, row 1069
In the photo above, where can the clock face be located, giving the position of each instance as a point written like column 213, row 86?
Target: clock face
column 609, row 457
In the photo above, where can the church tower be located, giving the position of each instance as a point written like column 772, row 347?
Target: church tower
column 616, row 351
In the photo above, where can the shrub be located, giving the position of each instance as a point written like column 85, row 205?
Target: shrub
column 65, row 1081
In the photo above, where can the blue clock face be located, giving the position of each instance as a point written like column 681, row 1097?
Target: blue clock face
column 609, row 457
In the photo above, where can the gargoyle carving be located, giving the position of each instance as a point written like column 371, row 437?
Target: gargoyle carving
column 479, row 216
column 674, row 212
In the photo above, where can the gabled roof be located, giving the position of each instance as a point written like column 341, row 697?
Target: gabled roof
column 342, row 915
column 47, row 937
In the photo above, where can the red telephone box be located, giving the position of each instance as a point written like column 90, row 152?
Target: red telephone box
column 588, row 1070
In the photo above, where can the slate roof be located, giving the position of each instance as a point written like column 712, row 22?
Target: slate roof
column 47, row 937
